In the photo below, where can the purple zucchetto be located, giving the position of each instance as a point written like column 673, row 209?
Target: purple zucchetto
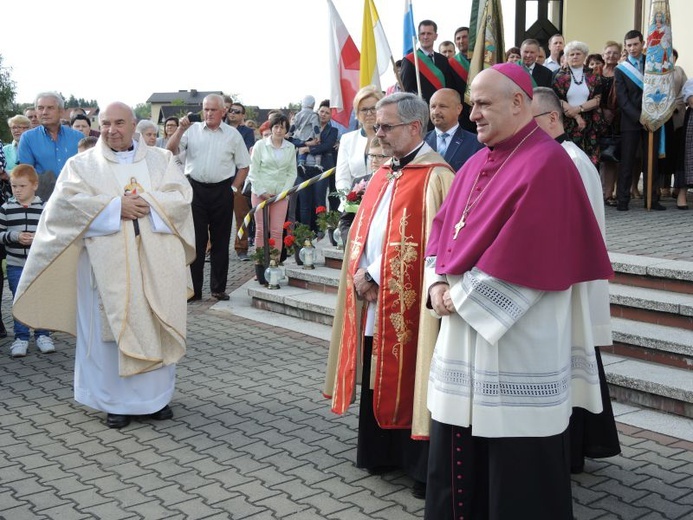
column 518, row 75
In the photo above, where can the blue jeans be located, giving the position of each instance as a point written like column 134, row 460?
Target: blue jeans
column 21, row 331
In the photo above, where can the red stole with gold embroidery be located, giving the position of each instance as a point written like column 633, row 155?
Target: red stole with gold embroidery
column 399, row 298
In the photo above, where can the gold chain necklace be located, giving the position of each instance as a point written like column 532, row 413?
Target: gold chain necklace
column 471, row 205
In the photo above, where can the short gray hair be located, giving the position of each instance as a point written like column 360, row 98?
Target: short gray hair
column 410, row 108
column 547, row 101
column 216, row 97
column 51, row 94
column 146, row 124
column 576, row 46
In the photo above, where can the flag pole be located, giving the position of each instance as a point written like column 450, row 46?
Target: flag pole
column 416, row 65
column 650, row 167
column 397, row 76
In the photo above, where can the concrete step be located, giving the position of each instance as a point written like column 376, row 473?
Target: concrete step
column 322, row 279
column 305, row 304
column 653, row 273
column 333, row 257
column 648, row 384
column 670, row 346
column 658, row 306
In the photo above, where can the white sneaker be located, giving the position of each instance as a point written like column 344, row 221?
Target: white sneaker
column 45, row 344
column 18, row 348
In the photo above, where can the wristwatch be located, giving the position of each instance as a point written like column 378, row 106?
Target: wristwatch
column 367, row 276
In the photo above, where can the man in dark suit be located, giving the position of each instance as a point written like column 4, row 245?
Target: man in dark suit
column 449, row 139
column 629, row 83
column 530, row 51
column 434, row 69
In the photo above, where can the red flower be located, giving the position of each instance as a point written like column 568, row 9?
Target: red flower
column 289, row 240
column 320, row 209
column 287, row 224
column 352, row 196
column 271, row 242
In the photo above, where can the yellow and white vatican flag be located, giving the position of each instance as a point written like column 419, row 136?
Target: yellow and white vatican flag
column 375, row 50
column 658, row 81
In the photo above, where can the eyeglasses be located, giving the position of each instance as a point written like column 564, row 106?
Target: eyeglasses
column 378, row 156
column 388, row 128
column 542, row 114
column 367, row 110
column 235, row 111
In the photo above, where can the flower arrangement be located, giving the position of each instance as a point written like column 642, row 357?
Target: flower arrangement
column 326, row 219
column 258, row 255
column 296, row 235
column 353, row 199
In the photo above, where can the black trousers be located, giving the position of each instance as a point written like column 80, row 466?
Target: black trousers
column 212, row 210
column 631, row 140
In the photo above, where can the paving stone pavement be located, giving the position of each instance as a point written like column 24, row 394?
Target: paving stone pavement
column 253, row 438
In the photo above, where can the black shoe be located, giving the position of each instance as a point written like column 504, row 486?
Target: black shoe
column 381, row 470
column 621, row 207
column 418, row 490
column 195, row 298
column 679, row 207
column 3, row 330
column 114, row 420
column 657, row 207
column 163, row 414
column 221, row 296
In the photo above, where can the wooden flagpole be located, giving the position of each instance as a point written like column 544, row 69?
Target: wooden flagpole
column 650, row 167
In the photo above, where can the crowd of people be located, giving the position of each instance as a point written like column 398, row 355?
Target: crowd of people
column 473, row 297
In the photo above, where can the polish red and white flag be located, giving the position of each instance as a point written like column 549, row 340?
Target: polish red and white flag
column 344, row 69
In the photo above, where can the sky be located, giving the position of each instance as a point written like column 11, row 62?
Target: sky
column 267, row 53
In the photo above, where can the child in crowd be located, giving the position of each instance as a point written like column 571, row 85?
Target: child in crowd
column 19, row 217
column 306, row 126
column 85, row 143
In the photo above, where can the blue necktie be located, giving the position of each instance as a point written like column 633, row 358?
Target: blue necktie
column 443, row 146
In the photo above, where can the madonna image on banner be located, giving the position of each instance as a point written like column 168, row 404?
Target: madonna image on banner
column 658, row 82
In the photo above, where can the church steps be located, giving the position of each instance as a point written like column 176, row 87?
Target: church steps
column 320, row 279
column 648, row 384
column 657, row 306
column 309, row 305
column 650, row 342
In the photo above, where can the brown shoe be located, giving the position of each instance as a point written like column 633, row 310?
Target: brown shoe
column 222, row 296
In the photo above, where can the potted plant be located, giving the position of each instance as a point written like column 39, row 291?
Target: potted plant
column 327, row 222
column 296, row 235
column 258, row 258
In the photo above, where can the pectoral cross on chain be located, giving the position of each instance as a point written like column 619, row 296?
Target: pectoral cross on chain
column 458, row 227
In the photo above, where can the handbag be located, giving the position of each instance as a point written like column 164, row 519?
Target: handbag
column 610, row 147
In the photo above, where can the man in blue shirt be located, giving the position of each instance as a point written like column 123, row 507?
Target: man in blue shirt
column 48, row 146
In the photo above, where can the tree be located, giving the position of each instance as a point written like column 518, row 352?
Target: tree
column 143, row 111
column 7, row 95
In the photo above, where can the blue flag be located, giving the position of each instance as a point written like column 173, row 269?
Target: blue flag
column 409, row 28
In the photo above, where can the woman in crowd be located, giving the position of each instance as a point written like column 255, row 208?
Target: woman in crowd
column 353, row 146
column 272, row 170
column 580, row 91
column 319, row 153
column 170, row 127
column 18, row 125
column 513, row 55
column 609, row 169
column 148, row 130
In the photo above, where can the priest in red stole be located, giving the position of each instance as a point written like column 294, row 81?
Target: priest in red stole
column 382, row 339
column 505, row 264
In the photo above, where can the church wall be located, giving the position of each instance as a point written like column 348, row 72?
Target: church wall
column 596, row 21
